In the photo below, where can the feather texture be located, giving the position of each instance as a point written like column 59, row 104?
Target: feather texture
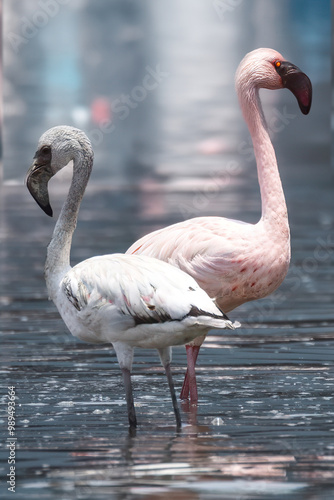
column 114, row 297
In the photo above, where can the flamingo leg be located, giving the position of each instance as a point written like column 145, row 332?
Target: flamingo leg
column 124, row 355
column 166, row 357
column 129, row 398
column 189, row 384
column 173, row 395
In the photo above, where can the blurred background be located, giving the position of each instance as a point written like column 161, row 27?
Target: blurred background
column 152, row 83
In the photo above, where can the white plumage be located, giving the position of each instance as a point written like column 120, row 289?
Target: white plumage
column 134, row 299
column 127, row 300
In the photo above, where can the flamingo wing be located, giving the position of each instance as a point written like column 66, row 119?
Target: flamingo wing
column 119, row 292
column 213, row 250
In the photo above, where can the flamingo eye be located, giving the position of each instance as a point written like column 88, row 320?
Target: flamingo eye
column 277, row 64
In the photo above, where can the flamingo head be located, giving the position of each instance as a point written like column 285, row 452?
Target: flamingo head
column 267, row 68
column 56, row 148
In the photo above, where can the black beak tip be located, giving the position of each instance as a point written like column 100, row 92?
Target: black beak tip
column 304, row 109
column 308, row 107
column 48, row 210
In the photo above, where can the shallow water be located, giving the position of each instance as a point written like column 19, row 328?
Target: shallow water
column 264, row 423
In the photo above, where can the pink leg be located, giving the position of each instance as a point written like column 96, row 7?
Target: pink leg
column 189, row 383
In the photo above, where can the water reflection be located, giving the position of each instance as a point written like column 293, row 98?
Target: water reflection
column 262, row 415
column 209, row 463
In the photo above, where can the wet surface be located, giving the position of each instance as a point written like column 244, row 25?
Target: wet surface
column 264, row 423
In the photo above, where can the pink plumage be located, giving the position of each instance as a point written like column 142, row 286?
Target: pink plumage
column 233, row 261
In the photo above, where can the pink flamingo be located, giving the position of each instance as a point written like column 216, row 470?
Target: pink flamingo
column 233, row 261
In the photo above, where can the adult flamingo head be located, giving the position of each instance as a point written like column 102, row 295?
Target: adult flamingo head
column 267, row 68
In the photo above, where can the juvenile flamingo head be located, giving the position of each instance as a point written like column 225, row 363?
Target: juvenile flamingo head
column 56, row 148
column 267, row 68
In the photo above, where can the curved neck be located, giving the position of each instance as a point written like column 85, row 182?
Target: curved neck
column 58, row 252
column 274, row 211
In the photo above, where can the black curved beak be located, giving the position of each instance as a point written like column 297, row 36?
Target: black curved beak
column 299, row 84
column 37, row 180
